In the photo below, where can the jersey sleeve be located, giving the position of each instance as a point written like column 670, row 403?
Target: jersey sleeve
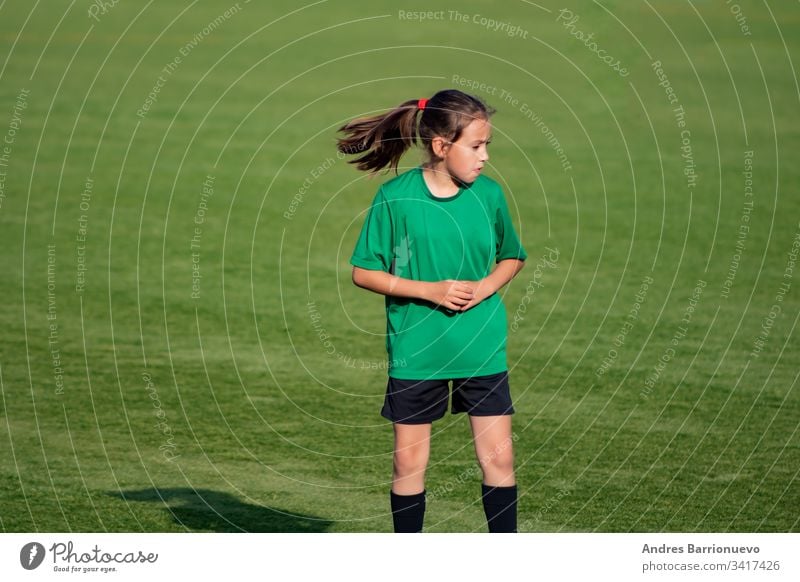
column 508, row 243
column 373, row 249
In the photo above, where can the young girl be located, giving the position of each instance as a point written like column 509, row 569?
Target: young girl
column 429, row 242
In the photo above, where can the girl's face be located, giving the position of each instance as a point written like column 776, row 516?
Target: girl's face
column 464, row 159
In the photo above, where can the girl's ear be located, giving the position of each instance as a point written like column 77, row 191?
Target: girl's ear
column 440, row 146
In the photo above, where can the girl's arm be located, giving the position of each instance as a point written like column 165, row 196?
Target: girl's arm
column 505, row 270
column 452, row 294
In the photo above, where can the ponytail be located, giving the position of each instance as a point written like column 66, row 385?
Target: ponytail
column 384, row 138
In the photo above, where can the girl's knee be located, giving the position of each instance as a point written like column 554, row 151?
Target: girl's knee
column 498, row 462
column 410, row 460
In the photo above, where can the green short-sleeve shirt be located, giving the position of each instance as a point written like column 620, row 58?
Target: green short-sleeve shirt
column 415, row 235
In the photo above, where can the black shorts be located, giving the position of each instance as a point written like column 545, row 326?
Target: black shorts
column 423, row 401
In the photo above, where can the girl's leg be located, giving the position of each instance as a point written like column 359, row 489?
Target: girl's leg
column 407, row 497
column 494, row 449
column 412, row 447
column 495, row 452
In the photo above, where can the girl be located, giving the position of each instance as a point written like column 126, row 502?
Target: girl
column 429, row 242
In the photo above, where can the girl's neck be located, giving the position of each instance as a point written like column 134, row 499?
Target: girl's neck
column 439, row 181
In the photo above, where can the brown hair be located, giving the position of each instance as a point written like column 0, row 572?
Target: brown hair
column 383, row 139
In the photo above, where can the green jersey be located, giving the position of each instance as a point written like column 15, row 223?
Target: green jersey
column 413, row 234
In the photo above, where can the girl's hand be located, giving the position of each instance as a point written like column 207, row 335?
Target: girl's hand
column 481, row 290
column 450, row 293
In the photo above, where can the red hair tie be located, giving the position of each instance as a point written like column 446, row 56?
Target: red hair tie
column 422, row 103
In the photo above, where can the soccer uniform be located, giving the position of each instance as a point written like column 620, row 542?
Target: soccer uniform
column 413, row 234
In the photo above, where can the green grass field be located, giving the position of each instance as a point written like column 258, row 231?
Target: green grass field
column 183, row 349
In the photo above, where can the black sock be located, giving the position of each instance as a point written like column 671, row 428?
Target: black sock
column 408, row 512
column 500, row 507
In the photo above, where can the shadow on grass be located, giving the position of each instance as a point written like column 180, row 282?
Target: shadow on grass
column 204, row 509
